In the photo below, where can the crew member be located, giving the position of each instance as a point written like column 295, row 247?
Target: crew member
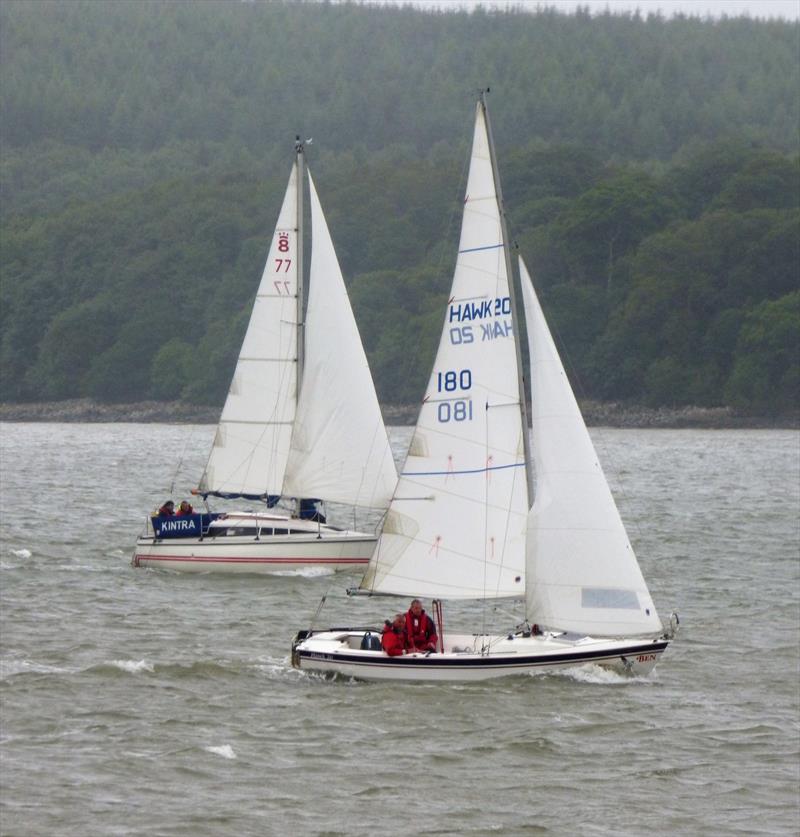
column 420, row 629
column 393, row 639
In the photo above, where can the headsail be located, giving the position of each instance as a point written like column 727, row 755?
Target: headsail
column 456, row 525
column 582, row 572
column 251, row 445
column 339, row 448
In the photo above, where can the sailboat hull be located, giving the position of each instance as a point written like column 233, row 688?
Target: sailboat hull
column 248, row 556
column 338, row 652
column 248, row 543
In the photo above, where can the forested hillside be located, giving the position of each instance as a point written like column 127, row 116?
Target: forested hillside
column 650, row 169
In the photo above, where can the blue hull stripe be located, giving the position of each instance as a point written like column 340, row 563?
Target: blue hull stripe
column 489, row 661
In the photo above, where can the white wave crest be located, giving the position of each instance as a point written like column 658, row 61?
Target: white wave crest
column 306, row 572
column 21, row 553
column 597, row 675
column 132, row 666
column 224, row 750
column 8, row 668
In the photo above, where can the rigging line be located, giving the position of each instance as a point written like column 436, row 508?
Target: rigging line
column 180, row 460
column 319, row 608
column 485, row 516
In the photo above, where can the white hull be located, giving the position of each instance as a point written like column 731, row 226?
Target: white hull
column 243, row 555
column 338, row 652
column 223, row 549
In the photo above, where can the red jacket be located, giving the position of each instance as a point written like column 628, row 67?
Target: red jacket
column 392, row 642
column 421, row 632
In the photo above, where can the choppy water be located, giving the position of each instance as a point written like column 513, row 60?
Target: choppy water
column 136, row 702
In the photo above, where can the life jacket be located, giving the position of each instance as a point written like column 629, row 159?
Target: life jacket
column 392, row 642
column 421, row 630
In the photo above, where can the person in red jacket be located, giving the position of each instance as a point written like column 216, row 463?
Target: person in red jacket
column 420, row 629
column 393, row 639
column 167, row 510
column 185, row 508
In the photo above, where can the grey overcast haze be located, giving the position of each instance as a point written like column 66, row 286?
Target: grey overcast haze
column 786, row 9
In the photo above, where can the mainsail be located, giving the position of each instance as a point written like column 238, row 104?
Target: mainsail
column 251, row 445
column 582, row 572
column 456, row 525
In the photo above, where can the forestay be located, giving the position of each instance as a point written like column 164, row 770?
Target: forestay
column 456, row 526
column 251, row 445
column 583, row 575
column 339, row 449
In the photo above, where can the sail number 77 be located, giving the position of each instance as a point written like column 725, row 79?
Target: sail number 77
column 457, row 409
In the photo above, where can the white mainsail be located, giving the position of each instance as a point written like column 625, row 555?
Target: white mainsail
column 251, row 445
column 456, row 524
column 339, row 448
column 582, row 572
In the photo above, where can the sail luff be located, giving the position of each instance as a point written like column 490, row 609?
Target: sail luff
column 582, row 573
column 511, row 293
column 299, row 149
column 339, row 448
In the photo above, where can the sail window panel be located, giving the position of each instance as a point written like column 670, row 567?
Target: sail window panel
column 609, row 598
column 564, row 562
column 565, row 608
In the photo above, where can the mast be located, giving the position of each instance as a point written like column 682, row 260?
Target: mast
column 526, row 442
column 299, row 148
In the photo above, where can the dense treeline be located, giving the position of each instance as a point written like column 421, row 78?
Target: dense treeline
column 650, row 169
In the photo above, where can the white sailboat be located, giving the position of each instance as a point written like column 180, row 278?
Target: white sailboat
column 301, row 420
column 461, row 524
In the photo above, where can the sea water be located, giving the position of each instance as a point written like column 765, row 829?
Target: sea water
column 140, row 702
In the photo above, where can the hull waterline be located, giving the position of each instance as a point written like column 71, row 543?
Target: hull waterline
column 245, row 555
column 338, row 652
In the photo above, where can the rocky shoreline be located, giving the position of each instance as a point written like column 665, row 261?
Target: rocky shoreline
column 597, row 414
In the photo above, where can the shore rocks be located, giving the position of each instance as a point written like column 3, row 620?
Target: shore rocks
column 597, row 414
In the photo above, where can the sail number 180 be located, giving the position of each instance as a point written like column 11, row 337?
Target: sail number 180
column 458, row 409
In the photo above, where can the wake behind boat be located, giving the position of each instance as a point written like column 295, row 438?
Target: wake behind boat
column 301, row 424
column 462, row 524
